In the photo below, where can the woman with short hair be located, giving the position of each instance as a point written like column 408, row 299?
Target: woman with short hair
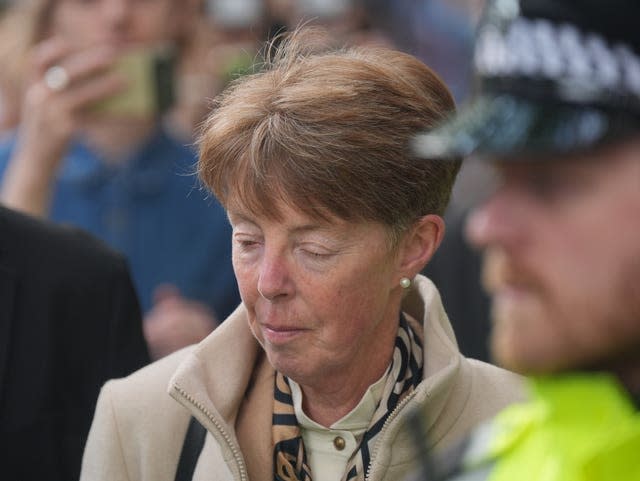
column 338, row 337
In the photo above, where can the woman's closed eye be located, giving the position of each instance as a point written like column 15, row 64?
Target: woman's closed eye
column 316, row 252
column 246, row 243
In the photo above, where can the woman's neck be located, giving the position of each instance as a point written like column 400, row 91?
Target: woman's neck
column 332, row 398
column 326, row 408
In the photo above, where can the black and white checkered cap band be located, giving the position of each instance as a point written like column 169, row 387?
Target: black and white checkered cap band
column 584, row 65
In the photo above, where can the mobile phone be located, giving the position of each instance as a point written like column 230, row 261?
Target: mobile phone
column 150, row 87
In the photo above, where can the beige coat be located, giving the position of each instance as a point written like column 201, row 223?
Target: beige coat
column 227, row 384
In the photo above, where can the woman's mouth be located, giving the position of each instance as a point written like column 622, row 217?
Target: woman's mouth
column 275, row 334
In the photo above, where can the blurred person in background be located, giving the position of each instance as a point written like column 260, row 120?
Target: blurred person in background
column 226, row 36
column 13, row 43
column 241, row 28
column 91, row 150
column 348, row 21
column 439, row 32
column 196, row 72
column 69, row 321
column 221, row 44
column 338, row 336
column 558, row 115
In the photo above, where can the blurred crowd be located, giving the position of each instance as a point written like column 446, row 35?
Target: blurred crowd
column 214, row 42
column 224, row 36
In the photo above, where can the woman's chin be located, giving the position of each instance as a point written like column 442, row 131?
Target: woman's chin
column 292, row 368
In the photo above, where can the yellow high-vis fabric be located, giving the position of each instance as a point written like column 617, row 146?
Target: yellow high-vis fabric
column 579, row 427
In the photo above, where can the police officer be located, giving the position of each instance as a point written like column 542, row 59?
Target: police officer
column 558, row 116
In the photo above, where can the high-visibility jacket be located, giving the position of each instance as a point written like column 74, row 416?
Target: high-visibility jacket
column 576, row 427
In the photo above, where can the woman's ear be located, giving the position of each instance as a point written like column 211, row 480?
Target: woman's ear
column 419, row 244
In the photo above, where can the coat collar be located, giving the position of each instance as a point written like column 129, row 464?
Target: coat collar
column 242, row 398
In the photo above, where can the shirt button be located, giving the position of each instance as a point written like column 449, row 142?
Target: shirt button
column 339, row 443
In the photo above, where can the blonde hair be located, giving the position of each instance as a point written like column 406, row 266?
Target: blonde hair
column 327, row 131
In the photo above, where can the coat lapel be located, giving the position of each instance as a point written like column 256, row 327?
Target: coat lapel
column 253, row 425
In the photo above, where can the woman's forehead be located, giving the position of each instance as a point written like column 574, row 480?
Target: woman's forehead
column 280, row 211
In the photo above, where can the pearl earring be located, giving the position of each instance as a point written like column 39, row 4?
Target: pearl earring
column 405, row 283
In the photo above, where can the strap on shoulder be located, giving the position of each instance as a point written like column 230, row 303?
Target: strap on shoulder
column 191, row 449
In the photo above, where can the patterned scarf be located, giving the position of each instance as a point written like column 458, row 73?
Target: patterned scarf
column 403, row 375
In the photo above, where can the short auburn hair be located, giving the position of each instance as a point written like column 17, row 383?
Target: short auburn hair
column 328, row 131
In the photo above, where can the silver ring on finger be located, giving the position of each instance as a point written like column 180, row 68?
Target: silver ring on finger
column 56, row 78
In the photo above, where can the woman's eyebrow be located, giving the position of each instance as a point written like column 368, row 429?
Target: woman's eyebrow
column 235, row 217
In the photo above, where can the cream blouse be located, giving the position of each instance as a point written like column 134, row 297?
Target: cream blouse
column 329, row 449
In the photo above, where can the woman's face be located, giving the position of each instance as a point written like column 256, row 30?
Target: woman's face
column 120, row 23
column 323, row 298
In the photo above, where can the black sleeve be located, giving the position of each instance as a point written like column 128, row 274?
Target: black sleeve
column 70, row 321
column 100, row 326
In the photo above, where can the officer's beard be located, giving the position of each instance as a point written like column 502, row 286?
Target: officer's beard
column 625, row 363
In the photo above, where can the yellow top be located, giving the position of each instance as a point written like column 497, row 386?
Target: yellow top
column 578, row 427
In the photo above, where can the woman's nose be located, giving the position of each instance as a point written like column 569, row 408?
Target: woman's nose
column 274, row 281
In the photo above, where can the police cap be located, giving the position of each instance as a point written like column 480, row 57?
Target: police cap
column 553, row 76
